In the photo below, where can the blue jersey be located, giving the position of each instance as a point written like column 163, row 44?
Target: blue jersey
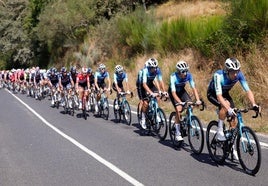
column 101, row 77
column 177, row 83
column 221, row 83
column 119, row 78
column 148, row 76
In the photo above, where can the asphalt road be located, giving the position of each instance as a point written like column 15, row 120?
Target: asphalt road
column 40, row 145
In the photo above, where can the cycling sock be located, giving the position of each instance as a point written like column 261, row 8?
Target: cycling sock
column 220, row 124
column 177, row 126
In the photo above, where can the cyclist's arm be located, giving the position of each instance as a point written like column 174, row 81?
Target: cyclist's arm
column 109, row 81
column 96, row 81
column 88, row 83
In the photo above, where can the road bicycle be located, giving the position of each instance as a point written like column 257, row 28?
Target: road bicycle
column 122, row 108
column 155, row 118
column 103, row 105
column 69, row 103
column 85, row 104
column 190, row 126
column 247, row 143
column 92, row 100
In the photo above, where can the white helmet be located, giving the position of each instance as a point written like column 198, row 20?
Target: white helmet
column 102, row 66
column 118, row 68
column 152, row 62
column 232, row 64
column 182, row 66
column 84, row 70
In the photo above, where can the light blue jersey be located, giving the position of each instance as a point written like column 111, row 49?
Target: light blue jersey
column 221, row 83
column 177, row 83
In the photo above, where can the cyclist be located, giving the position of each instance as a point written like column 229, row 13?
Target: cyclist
column 139, row 85
column 151, row 81
column 53, row 81
column 178, row 94
column 65, row 81
column 73, row 73
column 100, row 76
column 82, row 85
column 91, row 77
column 218, row 92
column 120, row 76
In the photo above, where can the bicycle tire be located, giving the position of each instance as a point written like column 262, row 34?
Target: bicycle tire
column 139, row 112
column 117, row 114
column 126, row 111
column 160, row 127
column 196, row 135
column 105, row 109
column 252, row 148
column 215, row 148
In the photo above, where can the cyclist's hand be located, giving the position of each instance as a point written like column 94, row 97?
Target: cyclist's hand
column 231, row 112
column 256, row 108
column 198, row 102
column 165, row 94
column 154, row 95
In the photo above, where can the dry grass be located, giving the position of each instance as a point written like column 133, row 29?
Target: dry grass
column 257, row 57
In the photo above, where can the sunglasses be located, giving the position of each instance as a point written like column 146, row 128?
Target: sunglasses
column 102, row 68
column 183, row 71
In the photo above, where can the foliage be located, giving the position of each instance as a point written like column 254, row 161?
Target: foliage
column 137, row 31
column 14, row 42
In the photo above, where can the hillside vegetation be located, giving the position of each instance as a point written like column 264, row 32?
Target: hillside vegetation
column 128, row 32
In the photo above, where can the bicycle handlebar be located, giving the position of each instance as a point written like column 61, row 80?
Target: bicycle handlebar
column 245, row 110
column 191, row 103
column 125, row 93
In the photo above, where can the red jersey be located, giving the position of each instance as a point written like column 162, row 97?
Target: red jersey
column 81, row 78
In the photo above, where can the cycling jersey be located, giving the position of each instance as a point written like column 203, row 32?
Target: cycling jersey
column 119, row 78
column 82, row 80
column 74, row 75
column 101, row 78
column 177, row 83
column 148, row 76
column 65, row 80
column 54, row 79
column 221, row 83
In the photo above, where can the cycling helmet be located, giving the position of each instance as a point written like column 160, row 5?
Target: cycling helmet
column 84, row 70
column 232, row 64
column 89, row 70
column 182, row 66
column 152, row 62
column 102, row 66
column 63, row 70
column 73, row 69
column 118, row 69
column 54, row 70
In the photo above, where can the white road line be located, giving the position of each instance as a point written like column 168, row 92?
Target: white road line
column 121, row 173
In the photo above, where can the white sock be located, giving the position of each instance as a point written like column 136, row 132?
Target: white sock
column 177, row 126
column 220, row 125
column 142, row 115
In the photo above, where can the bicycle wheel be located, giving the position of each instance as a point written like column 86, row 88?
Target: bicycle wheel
column 172, row 130
column 160, row 126
column 215, row 147
column 126, row 111
column 249, row 151
column 105, row 109
column 196, row 135
column 117, row 114
column 72, row 106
